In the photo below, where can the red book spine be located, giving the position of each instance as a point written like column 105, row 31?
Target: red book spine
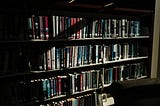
column 49, row 60
column 81, row 81
column 78, row 28
column 33, row 28
column 59, row 85
column 46, row 27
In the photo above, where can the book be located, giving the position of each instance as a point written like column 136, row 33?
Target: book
column 36, row 26
column 59, row 85
column 64, row 85
column 41, row 27
column 46, row 27
column 44, row 86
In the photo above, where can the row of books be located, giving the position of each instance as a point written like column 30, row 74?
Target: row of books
column 56, row 58
column 13, row 61
column 91, row 99
column 65, row 27
column 12, row 27
column 123, row 72
column 53, row 86
column 72, row 83
column 73, row 56
column 85, row 100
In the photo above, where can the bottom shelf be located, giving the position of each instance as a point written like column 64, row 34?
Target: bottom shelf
column 80, row 84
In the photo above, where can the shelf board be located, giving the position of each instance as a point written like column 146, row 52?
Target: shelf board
column 61, row 97
column 43, row 101
column 121, row 38
column 132, row 10
column 70, row 95
column 127, row 59
column 100, row 65
column 61, row 40
column 68, row 42
column 87, row 65
column 142, row 77
column 25, row 75
column 97, row 65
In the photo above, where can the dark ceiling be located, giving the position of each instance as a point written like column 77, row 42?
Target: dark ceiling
column 139, row 4
column 93, row 5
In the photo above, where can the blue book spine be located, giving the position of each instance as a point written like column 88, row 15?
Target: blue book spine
column 44, row 89
column 137, row 27
column 52, row 86
column 48, row 88
column 57, row 58
column 111, row 75
column 85, row 54
column 79, row 62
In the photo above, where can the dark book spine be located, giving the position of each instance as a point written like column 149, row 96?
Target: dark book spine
column 59, row 90
column 30, row 28
column 64, row 85
column 49, row 60
column 46, row 27
column 33, row 27
column 55, row 86
column 41, row 27
column 36, row 26
column 44, row 86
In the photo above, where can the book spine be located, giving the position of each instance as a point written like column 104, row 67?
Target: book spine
column 30, row 28
column 49, row 60
column 48, row 88
column 33, row 27
column 44, row 88
column 64, row 85
column 137, row 28
column 55, row 92
column 51, row 86
column 36, row 26
column 41, row 27
column 46, row 27
column 59, row 85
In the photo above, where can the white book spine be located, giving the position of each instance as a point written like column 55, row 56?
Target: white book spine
column 54, row 26
column 97, row 53
column 123, row 27
column 68, row 57
column 57, row 25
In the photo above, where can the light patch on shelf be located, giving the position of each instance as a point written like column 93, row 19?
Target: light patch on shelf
column 109, row 4
column 71, row 1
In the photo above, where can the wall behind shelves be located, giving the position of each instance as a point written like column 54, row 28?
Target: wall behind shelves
column 155, row 68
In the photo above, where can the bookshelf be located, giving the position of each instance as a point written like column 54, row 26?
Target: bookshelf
column 65, row 53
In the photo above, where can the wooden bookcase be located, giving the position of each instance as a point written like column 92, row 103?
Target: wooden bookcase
column 61, row 53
